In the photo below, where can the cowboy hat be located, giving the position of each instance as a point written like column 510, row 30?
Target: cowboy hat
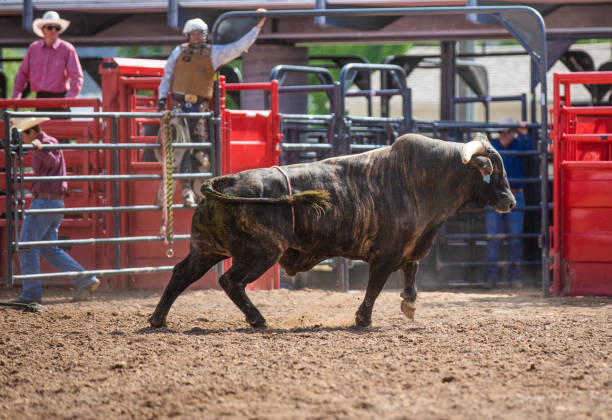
column 49, row 17
column 29, row 122
column 506, row 121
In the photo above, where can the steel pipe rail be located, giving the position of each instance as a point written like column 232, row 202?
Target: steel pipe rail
column 309, row 88
column 98, row 241
column 480, row 236
column 486, row 264
column 80, row 210
column 75, row 115
column 326, row 118
column 306, row 146
column 110, row 272
column 375, row 119
column 120, row 146
column 202, row 175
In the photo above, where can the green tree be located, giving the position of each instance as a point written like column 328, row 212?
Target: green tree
column 318, row 102
column 10, row 68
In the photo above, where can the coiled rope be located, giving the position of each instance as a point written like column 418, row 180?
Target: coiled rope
column 166, row 139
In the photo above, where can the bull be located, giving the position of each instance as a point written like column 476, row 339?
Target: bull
column 383, row 207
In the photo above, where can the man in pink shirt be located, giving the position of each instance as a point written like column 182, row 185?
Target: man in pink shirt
column 45, row 227
column 51, row 65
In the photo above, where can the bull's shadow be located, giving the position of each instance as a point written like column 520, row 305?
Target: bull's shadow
column 302, row 330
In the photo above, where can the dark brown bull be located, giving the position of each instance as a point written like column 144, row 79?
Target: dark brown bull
column 383, row 207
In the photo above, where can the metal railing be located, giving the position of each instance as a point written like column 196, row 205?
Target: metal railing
column 16, row 178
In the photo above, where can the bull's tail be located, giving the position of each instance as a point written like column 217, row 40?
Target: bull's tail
column 319, row 199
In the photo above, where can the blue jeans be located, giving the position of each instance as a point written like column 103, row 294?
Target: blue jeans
column 44, row 227
column 511, row 223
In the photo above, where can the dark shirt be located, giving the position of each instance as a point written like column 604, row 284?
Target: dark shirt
column 48, row 163
column 514, row 164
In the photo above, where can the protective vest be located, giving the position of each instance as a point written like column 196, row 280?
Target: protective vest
column 194, row 72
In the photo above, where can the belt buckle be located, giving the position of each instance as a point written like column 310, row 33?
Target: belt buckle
column 191, row 98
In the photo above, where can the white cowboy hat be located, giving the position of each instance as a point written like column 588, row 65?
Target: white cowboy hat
column 49, row 17
column 29, row 122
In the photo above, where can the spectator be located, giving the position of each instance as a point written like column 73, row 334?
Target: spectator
column 189, row 75
column 47, row 195
column 50, row 65
column 509, row 223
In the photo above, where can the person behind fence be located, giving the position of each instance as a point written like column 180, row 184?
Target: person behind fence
column 51, row 65
column 189, row 75
column 44, row 227
column 509, row 223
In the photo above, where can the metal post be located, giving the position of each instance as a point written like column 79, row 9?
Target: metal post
column 523, row 107
column 116, row 216
column 543, row 149
column 216, row 141
column 9, row 210
column 447, row 79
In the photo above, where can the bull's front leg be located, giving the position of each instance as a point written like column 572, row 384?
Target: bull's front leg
column 409, row 294
column 379, row 273
column 184, row 273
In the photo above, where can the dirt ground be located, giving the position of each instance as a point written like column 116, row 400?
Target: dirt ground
column 467, row 354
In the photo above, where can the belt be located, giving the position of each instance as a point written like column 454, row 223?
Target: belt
column 516, row 190
column 187, row 97
column 48, row 196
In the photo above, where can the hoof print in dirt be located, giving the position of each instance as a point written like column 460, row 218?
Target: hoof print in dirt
column 408, row 308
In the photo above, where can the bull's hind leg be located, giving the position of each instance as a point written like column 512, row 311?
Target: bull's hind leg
column 191, row 269
column 242, row 272
column 409, row 294
column 379, row 273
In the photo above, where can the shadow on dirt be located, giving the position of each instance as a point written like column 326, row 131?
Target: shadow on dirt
column 271, row 331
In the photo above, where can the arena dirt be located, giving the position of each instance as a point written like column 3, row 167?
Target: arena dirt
column 468, row 354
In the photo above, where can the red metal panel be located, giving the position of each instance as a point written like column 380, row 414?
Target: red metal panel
column 588, row 246
column 587, row 279
column 578, row 220
column 582, row 227
column 587, row 193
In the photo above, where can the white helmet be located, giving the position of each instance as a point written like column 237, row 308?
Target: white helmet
column 195, row 25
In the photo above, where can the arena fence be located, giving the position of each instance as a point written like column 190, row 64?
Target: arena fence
column 16, row 177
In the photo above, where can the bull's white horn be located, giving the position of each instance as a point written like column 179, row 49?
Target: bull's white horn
column 475, row 147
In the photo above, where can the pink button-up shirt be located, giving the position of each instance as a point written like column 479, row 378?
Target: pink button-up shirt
column 50, row 69
column 48, row 163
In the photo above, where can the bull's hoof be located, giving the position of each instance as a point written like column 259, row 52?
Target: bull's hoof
column 408, row 309
column 362, row 322
column 261, row 326
column 157, row 322
column 257, row 321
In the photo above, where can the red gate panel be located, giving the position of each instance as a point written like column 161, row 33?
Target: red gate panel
column 582, row 226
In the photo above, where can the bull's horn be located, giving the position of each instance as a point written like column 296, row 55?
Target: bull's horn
column 475, row 147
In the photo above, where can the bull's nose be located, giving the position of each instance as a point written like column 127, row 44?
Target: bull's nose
column 506, row 204
column 512, row 203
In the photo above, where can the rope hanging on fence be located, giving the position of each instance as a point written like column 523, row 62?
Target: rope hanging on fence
column 167, row 227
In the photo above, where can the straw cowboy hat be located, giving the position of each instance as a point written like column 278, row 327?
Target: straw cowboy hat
column 49, row 17
column 25, row 123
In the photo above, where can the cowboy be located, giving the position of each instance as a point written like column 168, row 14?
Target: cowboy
column 39, row 227
column 50, row 65
column 516, row 139
column 189, row 75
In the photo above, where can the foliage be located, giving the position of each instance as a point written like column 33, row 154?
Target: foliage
column 136, row 51
column 10, row 68
column 318, row 102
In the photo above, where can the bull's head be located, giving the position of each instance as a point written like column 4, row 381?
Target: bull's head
column 492, row 188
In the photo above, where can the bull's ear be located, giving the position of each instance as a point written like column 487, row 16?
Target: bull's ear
column 483, row 164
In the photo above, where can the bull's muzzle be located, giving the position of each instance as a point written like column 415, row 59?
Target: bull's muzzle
column 505, row 204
